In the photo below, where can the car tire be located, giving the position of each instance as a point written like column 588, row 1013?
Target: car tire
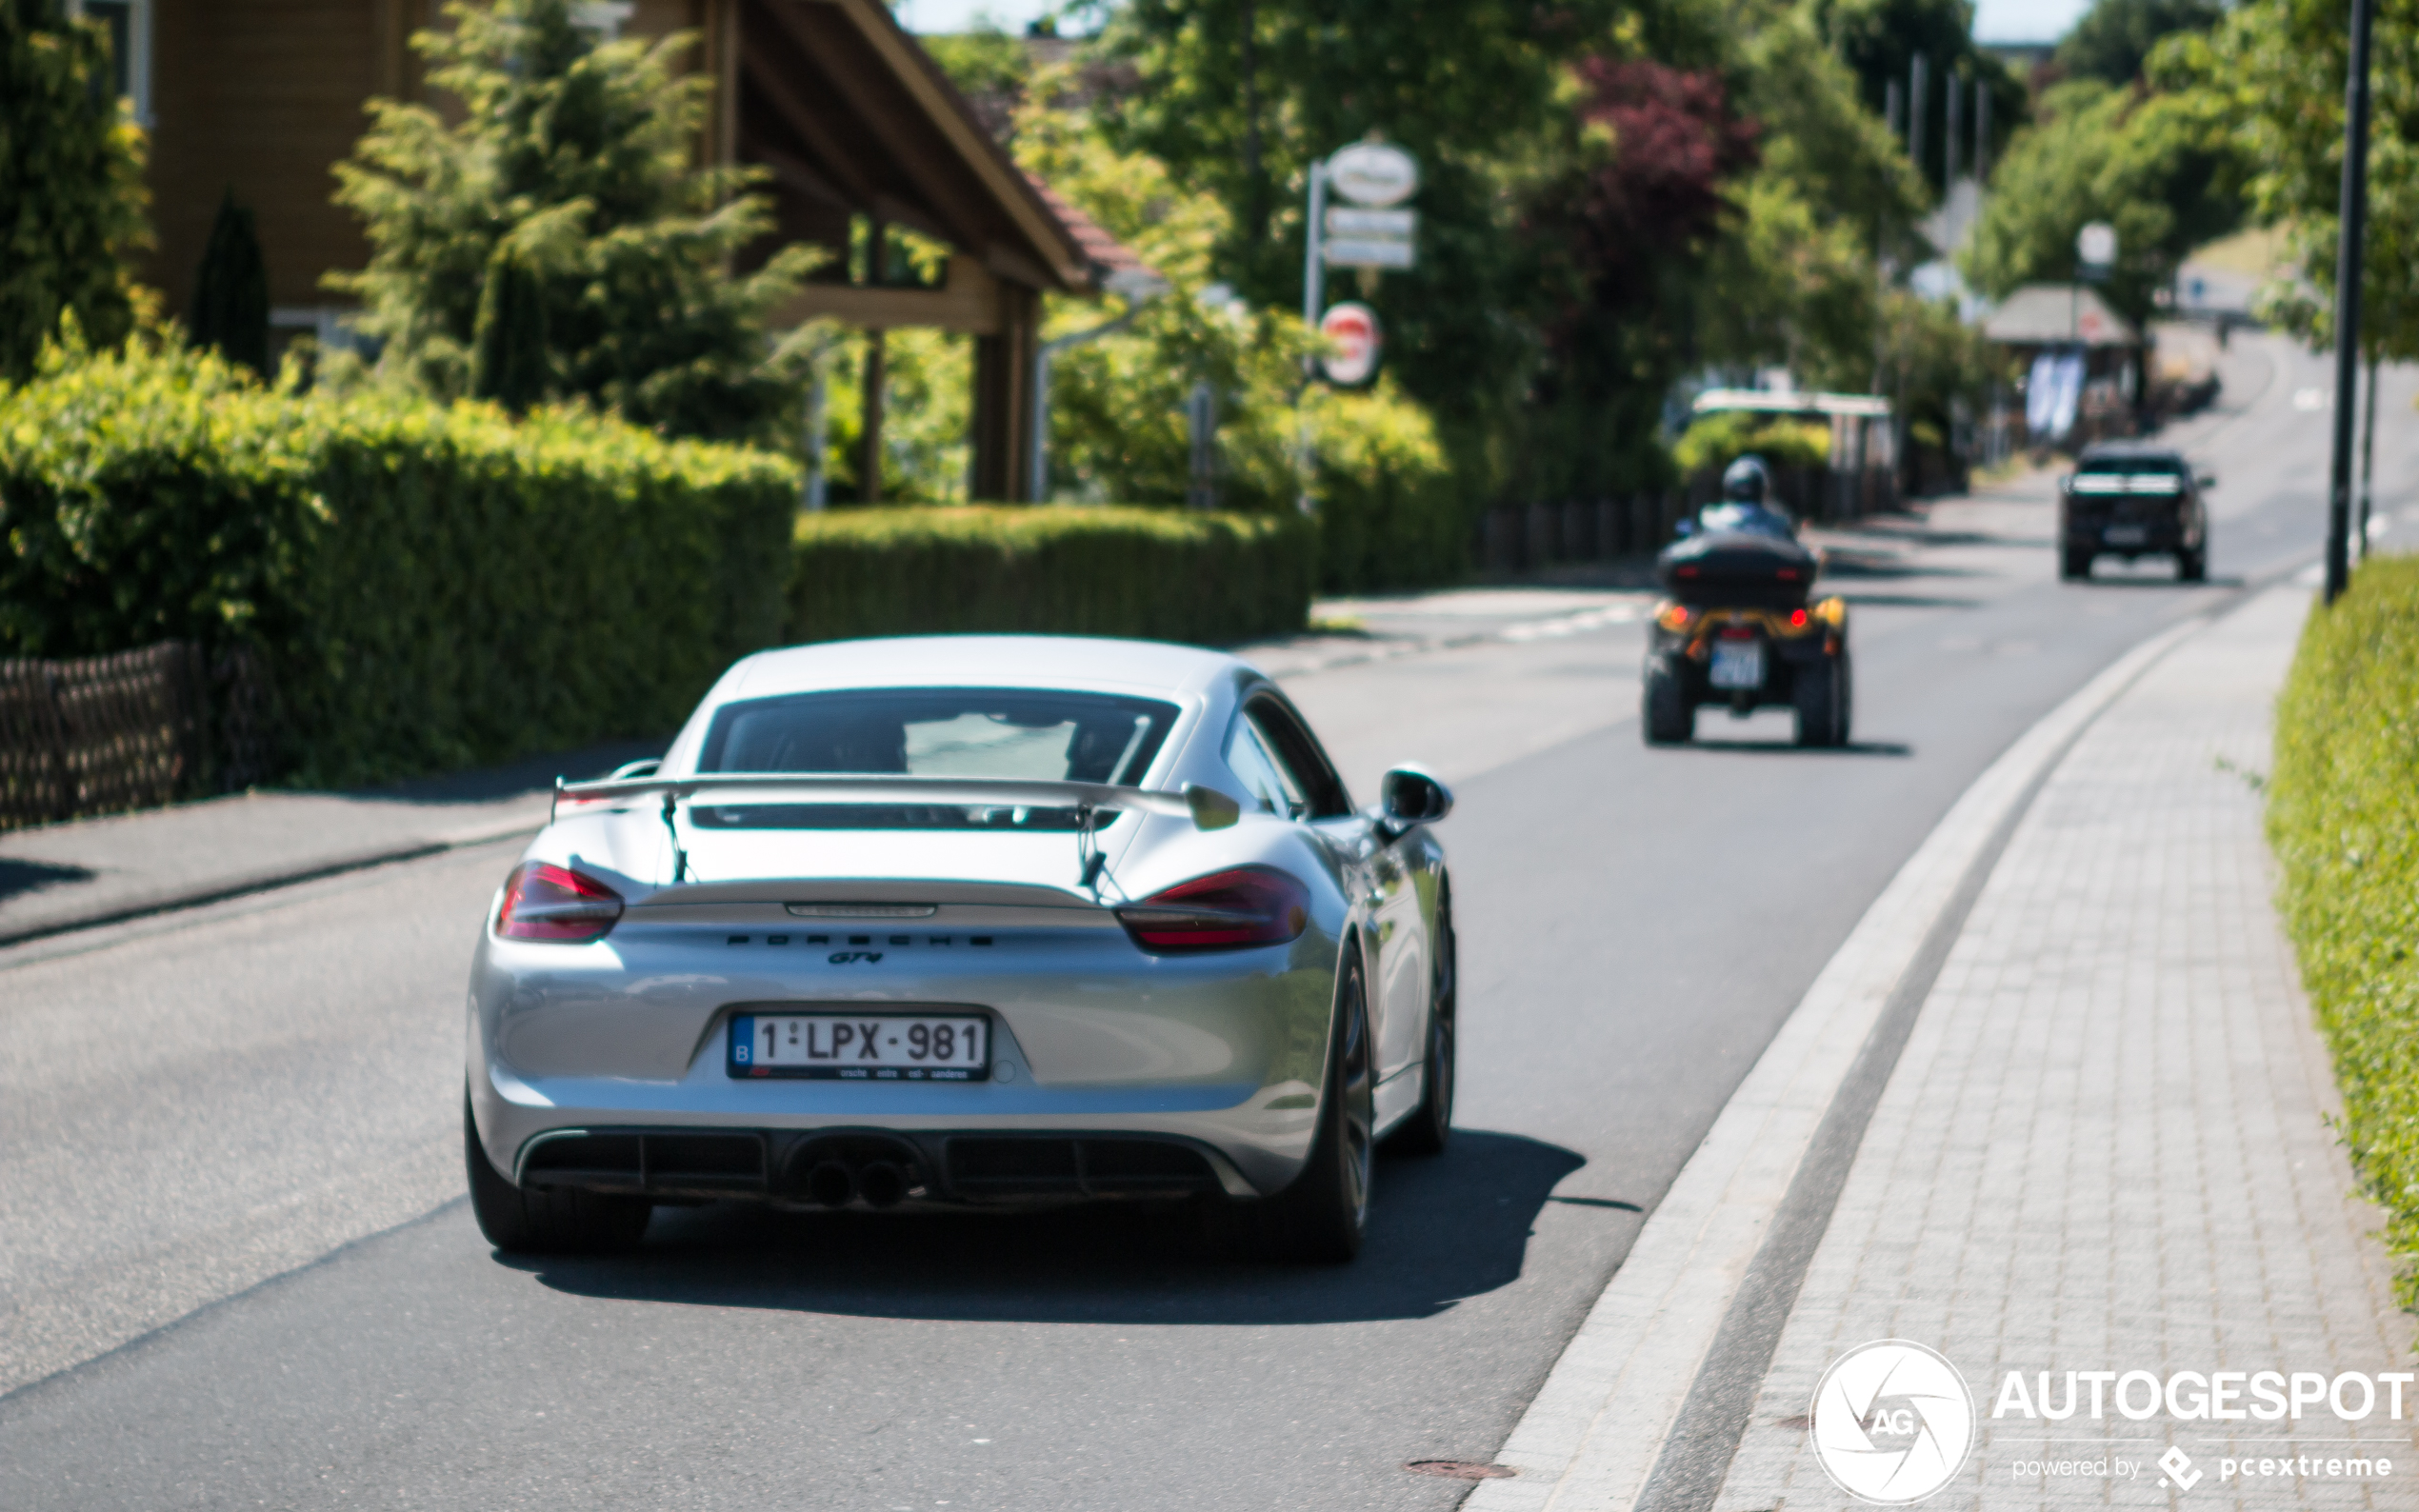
column 1663, row 715
column 1431, row 1125
column 1324, row 1216
column 523, row 1220
column 2076, row 566
column 2192, row 567
column 1821, row 694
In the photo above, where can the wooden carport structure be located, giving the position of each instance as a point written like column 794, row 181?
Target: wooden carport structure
column 861, row 131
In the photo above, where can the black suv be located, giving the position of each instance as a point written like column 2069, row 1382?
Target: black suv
column 2132, row 500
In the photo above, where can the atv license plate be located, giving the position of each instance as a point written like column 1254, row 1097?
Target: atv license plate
column 862, row 1046
column 1737, row 664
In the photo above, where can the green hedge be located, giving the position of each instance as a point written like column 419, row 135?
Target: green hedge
column 1156, row 574
column 434, row 585
column 2344, row 819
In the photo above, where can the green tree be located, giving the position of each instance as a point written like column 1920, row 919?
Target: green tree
column 2156, row 167
column 1797, row 282
column 72, row 202
column 2272, row 76
column 578, row 155
column 509, row 360
column 2114, row 38
column 230, row 290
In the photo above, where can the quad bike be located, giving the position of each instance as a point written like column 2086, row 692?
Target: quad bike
column 1738, row 630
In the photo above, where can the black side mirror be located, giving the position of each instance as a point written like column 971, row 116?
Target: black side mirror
column 2207, row 480
column 1409, row 796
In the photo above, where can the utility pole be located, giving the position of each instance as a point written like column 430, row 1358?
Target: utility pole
column 1917, row 98
column 1982, row 131
column 2353, row 217
column 1949, row 147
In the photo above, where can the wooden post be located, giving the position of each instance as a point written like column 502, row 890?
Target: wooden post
column 870, row 436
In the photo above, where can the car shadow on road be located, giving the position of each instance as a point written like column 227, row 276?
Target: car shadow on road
column 1791, row 747
column 18, row 877
column 1441, row 1229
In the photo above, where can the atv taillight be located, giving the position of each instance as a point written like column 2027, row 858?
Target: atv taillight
column 1797, row 619
column 1226, row 910
column 555, row 905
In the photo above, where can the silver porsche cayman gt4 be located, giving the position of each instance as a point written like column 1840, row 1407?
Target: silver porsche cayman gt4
column 966, row 922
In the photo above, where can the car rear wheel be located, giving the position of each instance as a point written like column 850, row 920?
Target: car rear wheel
column 1821, row 694
column 1663, row 714
column 1323, row 1216
column 546, row 1219
column 1431, row 1124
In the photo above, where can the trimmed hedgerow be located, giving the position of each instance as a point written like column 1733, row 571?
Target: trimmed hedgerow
column 1154, row 574
column 2343, row 817
column 434, row 585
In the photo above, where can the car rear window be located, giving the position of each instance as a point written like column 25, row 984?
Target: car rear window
column 1009, row 733
column 2129, row 475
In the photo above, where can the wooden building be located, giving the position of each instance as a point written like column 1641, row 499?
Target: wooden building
column 858, row 127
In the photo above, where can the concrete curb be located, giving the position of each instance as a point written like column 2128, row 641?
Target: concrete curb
column 245, row 884
column 1597, row 1430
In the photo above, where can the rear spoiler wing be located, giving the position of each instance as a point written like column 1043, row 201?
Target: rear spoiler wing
column 1206, row 806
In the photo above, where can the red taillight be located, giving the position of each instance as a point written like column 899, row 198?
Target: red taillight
column 1797, row 619
column 1226, row 910
column 543, row 901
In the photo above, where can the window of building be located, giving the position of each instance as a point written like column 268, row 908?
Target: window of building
column 129, row 22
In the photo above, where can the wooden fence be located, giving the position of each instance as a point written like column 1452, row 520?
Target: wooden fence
column 104, row 734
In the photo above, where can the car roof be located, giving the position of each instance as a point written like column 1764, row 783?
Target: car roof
column 2129, row 451
column 1013, row 661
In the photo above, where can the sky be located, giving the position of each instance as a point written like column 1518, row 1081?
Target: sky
column 1994, row 20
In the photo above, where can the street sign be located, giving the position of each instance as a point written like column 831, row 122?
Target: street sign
column 1360, row 251
column 1374, row 173
column 1352, row 340
column 2096, row 244
column 1394, row 225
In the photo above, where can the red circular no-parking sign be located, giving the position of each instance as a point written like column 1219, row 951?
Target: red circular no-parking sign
column 1352, row 340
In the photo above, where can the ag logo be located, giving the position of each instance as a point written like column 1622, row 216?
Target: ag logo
column 1892, row 1422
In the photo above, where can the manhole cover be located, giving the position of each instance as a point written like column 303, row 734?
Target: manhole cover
column 1460, row 1469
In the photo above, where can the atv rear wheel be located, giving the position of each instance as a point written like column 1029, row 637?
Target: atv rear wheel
column 1664, row 714
column 1821, row 696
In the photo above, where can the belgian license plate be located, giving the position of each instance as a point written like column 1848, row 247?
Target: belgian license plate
column 2126, row 534
column 863, row 1046
column 1737, row 663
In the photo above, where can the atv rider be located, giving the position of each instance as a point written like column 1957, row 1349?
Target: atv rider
column 1746, row 504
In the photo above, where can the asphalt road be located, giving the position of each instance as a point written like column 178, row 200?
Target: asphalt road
column 235, row 1270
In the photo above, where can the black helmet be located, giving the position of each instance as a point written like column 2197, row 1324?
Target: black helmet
column 1746, row 482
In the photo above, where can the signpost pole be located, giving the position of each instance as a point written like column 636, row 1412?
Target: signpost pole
column 1314, row 264
column 2353, row 219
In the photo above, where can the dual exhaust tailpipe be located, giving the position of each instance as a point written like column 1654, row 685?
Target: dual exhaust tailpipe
column 835, row 1183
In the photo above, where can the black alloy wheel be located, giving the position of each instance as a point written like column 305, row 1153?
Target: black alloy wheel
column 1431, row 1125
column 540, row 1219
column 1324, row 1216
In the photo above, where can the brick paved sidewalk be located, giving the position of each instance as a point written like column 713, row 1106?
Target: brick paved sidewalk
column 2104, row 1147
